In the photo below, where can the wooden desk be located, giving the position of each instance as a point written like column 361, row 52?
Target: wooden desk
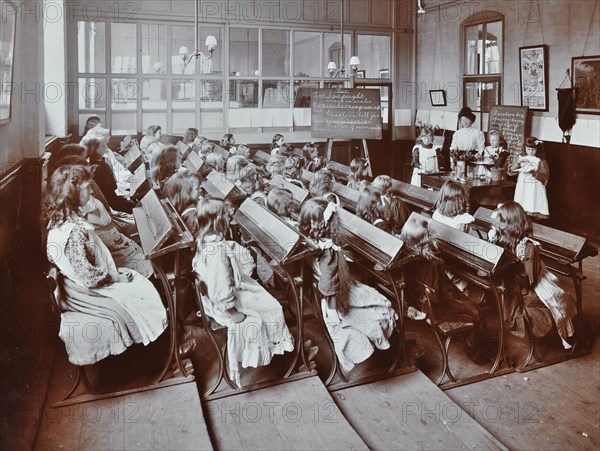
column 561, row 251
column 418, row 199
column 479, row 192
column 164, row 234
column 371, row 248
column 483, row 264
column 282, row 246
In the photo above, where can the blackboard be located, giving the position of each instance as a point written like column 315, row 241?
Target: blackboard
column 346, row 114
column 512, row 122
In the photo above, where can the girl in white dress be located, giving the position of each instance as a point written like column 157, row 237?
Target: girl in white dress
column 534, row 174
column 424, row 156
column 121, row 302
column 256, row 327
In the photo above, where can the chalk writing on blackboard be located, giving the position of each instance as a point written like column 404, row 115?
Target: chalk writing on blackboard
column 346, row 114
column 512, row 122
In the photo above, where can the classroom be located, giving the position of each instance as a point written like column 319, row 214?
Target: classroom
column 300, row 224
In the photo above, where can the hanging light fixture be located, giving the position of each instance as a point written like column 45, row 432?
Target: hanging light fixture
column 211, row 44
column 332, row 67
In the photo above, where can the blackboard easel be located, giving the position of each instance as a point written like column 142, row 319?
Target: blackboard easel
column 365, row 153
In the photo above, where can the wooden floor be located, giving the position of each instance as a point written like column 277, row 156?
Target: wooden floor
column 294, row 415
column 410, row 412
column 166, row 418
column 556, row 407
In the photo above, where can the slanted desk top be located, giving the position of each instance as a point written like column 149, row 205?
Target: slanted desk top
column 160, row 228
column 479, row 192
column 278, row 240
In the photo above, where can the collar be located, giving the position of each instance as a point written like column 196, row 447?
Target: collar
column 327, row 243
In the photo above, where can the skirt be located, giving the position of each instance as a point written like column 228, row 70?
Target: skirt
column 367, row 323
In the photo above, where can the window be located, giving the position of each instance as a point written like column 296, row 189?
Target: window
column 91, row 47
column 333, row 51
column 375, row 55
column 307, row 49
column 123, row 48
column 276, row 53
column 243, row 52
column 154, row 49
column 134, row 75
column 482, row 60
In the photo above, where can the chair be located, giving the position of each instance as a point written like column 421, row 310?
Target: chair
column 446, row 329
column 54, row 284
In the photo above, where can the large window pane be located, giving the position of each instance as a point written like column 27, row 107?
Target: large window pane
column 480, row 96
column 307, row 51
column 276, row 94
column 182, row 44
column 183, row 105
column 333, row 50
column 211, row 105
column 211, row 91
column 375, row 55
column 243, row 94
column 124, row 98
column 154, row 94
column 214, row 65
column 473, row 51
column 243, row 52
column 303, row 93
column 493, row 47
column 92, row 93
column 183, row 91
column 154, row 49
column 276, row 53
column 123, row 48
column 91, row 48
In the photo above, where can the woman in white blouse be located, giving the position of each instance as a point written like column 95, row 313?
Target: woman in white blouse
column 467, row 138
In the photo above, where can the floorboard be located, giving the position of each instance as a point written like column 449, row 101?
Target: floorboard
column 165, row 418
column 294, row 415
column 410, row 412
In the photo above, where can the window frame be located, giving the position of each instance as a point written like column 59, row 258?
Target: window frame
column 170, row 76
column 482, row 18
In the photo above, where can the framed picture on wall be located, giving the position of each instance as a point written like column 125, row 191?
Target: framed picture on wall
column 438, row 97
column 360, row 74
column 533, row 66
column 8, row 17
column 585, row 71
column 384, row 73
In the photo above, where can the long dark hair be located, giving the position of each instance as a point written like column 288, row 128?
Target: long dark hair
column 512, row 225
column 178, row 189
column 452, row 200
column 322, row 183
column 369, row 206
column 416, row 234
column 165, row 163
column 213, row 218
column 62, row 199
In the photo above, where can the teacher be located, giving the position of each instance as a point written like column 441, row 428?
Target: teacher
column 467, row 138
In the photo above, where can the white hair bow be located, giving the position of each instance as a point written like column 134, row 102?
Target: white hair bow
column 329, row 211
